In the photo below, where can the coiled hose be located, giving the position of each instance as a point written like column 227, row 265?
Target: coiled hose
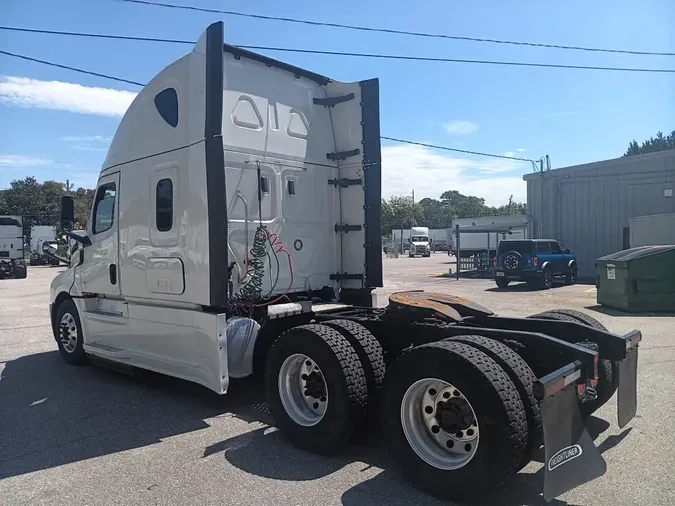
column 252, row 290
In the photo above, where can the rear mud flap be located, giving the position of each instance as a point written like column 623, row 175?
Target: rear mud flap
column 571, row 456
column 627, row 401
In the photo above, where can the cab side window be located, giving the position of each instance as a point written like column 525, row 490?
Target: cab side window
column 164, row 205
column 104, row 207
column 555, row 248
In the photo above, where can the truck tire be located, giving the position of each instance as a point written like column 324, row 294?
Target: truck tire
column 316, row 388
column 523, row 378
column 55, row 262
column 369, row 351
column 20, row 270
column 608, row 370
column 480, row 437
column 69, row 333
column 34, row 261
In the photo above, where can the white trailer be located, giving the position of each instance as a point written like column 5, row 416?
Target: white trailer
column 12, row 263
column 43, row 245
column 235, row 232
column 481, row 235
column 654, row 229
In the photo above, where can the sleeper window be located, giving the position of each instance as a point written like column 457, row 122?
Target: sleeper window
column 164, row 205
column 104, row 207
column 166, row 102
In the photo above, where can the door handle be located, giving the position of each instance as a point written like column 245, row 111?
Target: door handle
column 113, row 274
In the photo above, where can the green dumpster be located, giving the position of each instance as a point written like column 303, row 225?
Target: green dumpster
column 637, row 279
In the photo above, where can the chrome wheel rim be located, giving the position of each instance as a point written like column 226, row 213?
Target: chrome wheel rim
column 68, row 334
column 303, row 390
column 440, row 424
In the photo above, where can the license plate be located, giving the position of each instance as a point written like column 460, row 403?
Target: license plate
column 611, row 272
column 499, row 274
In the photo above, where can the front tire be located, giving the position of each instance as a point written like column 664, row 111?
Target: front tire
column 316, row 388
column 69, row 334
column 546, row 280
column 456, row 423
column 571, row 278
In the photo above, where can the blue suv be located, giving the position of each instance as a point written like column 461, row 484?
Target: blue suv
column 536, row 261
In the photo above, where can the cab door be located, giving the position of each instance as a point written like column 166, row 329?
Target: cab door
column 105, row 313
column 100, row 274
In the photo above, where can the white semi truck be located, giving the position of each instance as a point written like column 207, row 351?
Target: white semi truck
column 235, row 232
column 420, row 243
column 12, row 263
column 43, row 245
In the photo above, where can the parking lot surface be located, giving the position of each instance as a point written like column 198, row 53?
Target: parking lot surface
column 88, row 435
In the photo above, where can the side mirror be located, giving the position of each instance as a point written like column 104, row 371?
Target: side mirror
column 67, row 213
column 567, row 251
column 430, row 240
column 409, row 240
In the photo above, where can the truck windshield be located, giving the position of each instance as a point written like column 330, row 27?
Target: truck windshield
column 419, row 238
column 519, row 246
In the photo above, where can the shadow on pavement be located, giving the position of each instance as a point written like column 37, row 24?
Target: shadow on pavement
column 53, row 414
column 617, row 312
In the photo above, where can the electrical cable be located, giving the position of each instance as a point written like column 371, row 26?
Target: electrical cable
column 393, row 139
column 67, row 67
column 353, row 55
column 398, row 32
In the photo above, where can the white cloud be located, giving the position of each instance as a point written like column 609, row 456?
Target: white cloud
column 521, row 150
column 85, row 146
column 86, row 138
column 25, row 92
column 460, row 127
column 21, row 162
column 431, row 173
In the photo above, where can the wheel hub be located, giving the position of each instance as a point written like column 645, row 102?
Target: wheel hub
column 68, row 332
column 302, row 390
column 454, row 415
column 439, row 424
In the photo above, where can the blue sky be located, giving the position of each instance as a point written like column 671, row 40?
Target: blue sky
column 60, row 131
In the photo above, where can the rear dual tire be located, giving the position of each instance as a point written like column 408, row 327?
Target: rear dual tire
column 608, row 370
column 461, row 445
column 319, row 381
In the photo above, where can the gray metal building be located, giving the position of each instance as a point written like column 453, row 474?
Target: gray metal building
column 588, row 207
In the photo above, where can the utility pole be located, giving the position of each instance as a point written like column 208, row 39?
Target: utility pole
column 69, row 186
column 412, row 209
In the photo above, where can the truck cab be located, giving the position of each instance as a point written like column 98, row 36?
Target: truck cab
column 234, row 183
column 420, row 242
column 12, row 263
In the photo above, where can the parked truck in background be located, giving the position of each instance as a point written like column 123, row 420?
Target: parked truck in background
column 12, row 263
column 256, row 254
column 420, row 242
column 43, row 245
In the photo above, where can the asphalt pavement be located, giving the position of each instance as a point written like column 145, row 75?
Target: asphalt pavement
column 89, row 435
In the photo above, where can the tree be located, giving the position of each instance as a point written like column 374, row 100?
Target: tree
column 38, row 203
column 651, row 145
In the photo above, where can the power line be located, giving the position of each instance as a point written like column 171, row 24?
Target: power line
column 445, row 148
column 350, row 54
column 67, row 67
column 397, row 32
column 96, row 35
column 136, row 83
